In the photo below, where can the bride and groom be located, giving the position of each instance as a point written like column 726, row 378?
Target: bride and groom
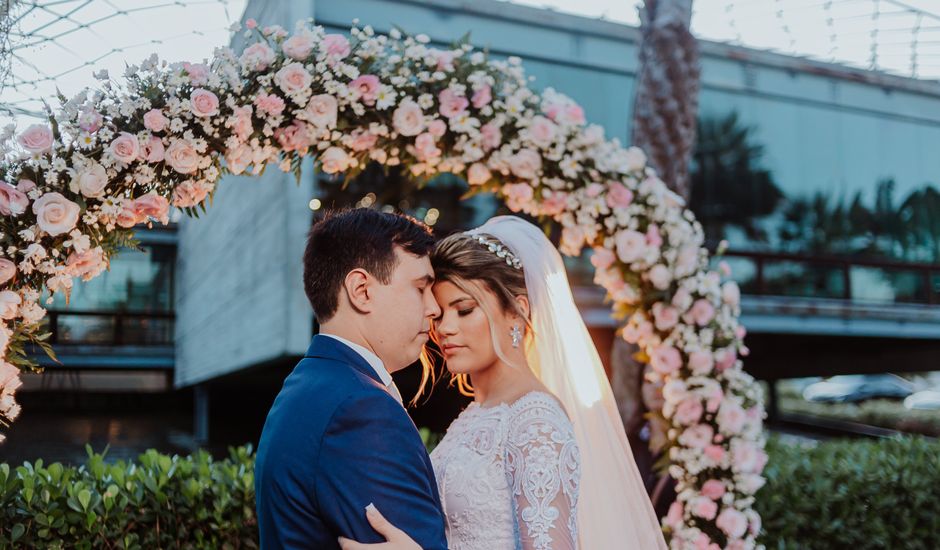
column 539, row 460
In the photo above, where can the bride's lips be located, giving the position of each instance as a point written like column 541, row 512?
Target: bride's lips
column 451, row 348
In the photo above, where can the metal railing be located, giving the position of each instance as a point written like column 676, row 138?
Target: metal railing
column 111, row 328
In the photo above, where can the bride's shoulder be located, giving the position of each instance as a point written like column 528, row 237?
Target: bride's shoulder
column 539, row 406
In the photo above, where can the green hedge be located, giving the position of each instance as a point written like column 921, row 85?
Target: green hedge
column 158, row 502
column 856, row 494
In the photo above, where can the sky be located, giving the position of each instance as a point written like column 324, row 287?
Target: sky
column 70, row 39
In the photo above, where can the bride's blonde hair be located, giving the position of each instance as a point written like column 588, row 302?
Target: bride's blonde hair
column 462, row 260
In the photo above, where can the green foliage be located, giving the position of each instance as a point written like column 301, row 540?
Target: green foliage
column 856, row 494
column 158, row 502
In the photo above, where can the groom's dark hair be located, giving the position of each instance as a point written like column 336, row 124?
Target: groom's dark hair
column 347, row 239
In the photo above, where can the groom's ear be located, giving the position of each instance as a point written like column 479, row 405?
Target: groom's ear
column 358, row 288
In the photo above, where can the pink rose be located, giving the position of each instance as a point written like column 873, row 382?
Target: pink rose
column 25, row 186
column 602, row 258
column 153, row 206
column 731, row 417
column 336, row 46
column 492, row 136
column 542, row 131
column 87, row 265
column 182, row 157
column 367, row 87
column 704, row 508
column 155, row 121
column 445, row 60
column 426, row 147
column 482, row 96
column 127, row 217
column 631, row 245
column 125, row 148
column 251, row 24
column 731, row 294
column 593, row 190
column 666, row 316
column 7, row 373
column 572, row 240
column 573, row 114
column 478, row 174
column 270, row 104
column 618, row 195
column 452, row 103
column 518, row 195
column 554, row 203
column 552, row 110
column 660, row 276
column 408, row 119
column 437, row 127
column 334, row 160
column 713, row 489
column 689, row 411
column 9, row 304
column 725, row 358
column 257, row 57
column 697, row 437
column 675, row 515
column 666, row 359
column 732, row 522
column 203, row 103
column 715, row 452
column 702, row 312
column 55, row 214
column 362, row 140
column 294, row 137
column 653, row 237
column 293, row 78
column 526, row 164
column 7, row 270
column 189, row 194
column 13, row 201
column 37, row 139
column 298, row 46
column 90, row 121
column 239, row 158
column 152, row 150
column 321, row 111
column 701, row 362
column 198, row 73
column 91, row 181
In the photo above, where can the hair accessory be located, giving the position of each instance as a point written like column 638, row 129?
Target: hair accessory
column 497, row 248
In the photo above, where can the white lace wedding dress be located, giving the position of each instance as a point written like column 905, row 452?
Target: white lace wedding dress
column 509, row 476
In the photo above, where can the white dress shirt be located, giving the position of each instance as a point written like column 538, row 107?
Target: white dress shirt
column 375, row 363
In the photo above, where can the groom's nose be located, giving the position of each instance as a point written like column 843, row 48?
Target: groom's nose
column 431, row 309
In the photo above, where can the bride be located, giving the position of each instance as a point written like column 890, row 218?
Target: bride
column 540, row 459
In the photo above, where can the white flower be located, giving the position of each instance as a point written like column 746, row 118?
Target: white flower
column 408, row 119
column 91, row 181
column 321, row 111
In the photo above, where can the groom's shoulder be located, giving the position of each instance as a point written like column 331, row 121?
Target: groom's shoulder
column 326, row 383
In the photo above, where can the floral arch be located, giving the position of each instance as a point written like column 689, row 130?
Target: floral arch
column 74, row 188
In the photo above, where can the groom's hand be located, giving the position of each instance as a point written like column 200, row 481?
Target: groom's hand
column 397, row 539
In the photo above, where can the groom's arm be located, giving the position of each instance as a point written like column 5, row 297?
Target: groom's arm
column 371, row 453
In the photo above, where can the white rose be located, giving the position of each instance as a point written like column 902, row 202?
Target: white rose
column 660, row 277
column 408, row 119
column 334, row 160
column 636, row 159
column 91, row 181
column 55, row 214
column 321, row 111
column 293, row 78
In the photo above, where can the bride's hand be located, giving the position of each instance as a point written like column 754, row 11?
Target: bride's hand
column 397, row 539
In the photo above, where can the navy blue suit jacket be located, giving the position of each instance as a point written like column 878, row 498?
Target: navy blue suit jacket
column 333, row 442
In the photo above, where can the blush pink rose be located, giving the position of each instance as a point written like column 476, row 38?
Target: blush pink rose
column 152, row 150
column 321, row 111
column 55, row 214
column 594, row 190
column 87, row 265
column 198, row 73
column 437, row 128
column 239, row 158
column 666, row 359
column 367, row 87
column 257, row 57
column 13, row 201
column 713, row 489
column 9, row 304
column 127, row 217
column 155, row 121
column 91, row 181
column 731, row 417
column 675, row 515
column 478, row 174
column 631, row 245
column 90, row 121
column 408, row 119
column 518, row 195
column 293, row 137
column 715, row 452
column 492, row 136
column 482, row 96
column 542, row 131
column 293, row 78
column 182, row 157
column 526, row 164
column 602, row 258
column 574, row 114
column 36, row 139
column 653, row 237
column 188, row 194
column 701, row 362
column 697, row 437
column 203, row 103
column 732, row 522
column 7, row 270
column 7, row 373
column 452, row 103
column 689, row 411
column 702, row 312
column 153, row 206
column 618, row 196
column 731, row 294
column 363, row 140
column 336, row 46
column 298, row 46
column 270, row 104
column 125, row 148
column 334, row 160
column 426, row 147
column 704, row 508
column 665, row 316
column 725, row 358
column 554, row 203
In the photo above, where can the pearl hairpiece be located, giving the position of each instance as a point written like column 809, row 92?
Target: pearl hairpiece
column 497, row 248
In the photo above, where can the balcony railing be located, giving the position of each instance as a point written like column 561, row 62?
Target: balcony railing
column 111, row 328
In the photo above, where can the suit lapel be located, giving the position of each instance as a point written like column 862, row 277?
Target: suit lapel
column 330, row 348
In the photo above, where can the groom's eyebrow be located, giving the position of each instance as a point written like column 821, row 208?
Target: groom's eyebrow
column 426, row 279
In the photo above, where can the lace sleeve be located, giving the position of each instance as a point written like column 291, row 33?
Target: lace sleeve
column 544, row 467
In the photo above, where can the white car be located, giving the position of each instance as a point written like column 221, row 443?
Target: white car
column 857, row 387
column 927, row 400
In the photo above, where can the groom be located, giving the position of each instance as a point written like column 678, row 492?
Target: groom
column 337, row 437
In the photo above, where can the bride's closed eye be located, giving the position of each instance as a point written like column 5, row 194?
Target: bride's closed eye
column 465, row 312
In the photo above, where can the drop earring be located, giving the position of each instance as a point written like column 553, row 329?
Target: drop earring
column 516, row 336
